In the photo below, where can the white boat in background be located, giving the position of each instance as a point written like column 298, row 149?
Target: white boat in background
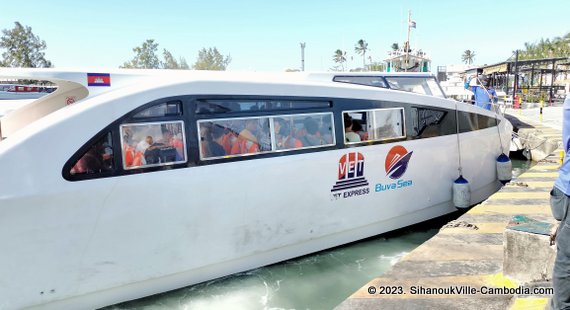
column 407, row 59
column 127, row 183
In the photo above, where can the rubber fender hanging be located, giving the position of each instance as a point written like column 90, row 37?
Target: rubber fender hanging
column 461, row 193
column 504, row 168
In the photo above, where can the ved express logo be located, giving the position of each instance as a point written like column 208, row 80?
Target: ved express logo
column 351, row 181
column 396, row 165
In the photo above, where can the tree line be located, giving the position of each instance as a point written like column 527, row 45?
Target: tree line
column 544, row 48
column 22, row 48
column 360, row 48
column 146, row 57
column 26, row 50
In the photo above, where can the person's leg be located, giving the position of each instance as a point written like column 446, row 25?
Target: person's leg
column 561, row 273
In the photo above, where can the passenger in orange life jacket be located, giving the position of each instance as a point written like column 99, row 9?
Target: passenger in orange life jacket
column 128, row 149
column 283, row 137
column 247, row 142
column 228, row 138
column 312, row 138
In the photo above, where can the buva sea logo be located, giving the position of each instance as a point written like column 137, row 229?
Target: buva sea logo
column 397, row 162
column 351, row 181
column 396, row 165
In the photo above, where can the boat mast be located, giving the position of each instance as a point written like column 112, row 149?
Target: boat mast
column 407, row 45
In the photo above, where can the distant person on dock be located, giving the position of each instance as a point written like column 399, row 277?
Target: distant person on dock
column 484, row 94
column 559, row 203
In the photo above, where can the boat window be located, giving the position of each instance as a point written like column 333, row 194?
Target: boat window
column 473, row 121
column 374, row 125
column 233, row 105
column 242, row 136
column 419, row 85
column 303, row 131
column 153, row 144
column 170, row 108
column 428, row 123
column 434, row 88
column 97, row 159
column 375, row 81
column 222, row 138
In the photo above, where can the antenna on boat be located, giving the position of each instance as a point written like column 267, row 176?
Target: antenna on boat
column 407, row 46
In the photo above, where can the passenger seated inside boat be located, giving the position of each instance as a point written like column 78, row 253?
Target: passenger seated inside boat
column 246, row 142
column 89, row 163
column 152, row 153
column 228, row 139
column 283, row 137
column 97, row 159
column 171, row 140
column 357, row 128
column 210, row 136
column 312, row 136
column 349, row 134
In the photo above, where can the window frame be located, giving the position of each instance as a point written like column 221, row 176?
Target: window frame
column 243, row 99
column 451, row 113
column 114, row 129
column 337, row 79
column 270, row 119
column 180, row 121
column 369, row 141
column 73, row 159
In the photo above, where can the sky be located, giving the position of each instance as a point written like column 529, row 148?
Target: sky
column 265, row 35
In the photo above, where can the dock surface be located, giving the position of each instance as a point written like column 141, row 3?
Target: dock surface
column 467, row 254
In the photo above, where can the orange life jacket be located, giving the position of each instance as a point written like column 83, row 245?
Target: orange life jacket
column 244, row 146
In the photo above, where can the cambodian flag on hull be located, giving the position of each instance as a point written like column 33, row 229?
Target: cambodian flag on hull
column 98, row 79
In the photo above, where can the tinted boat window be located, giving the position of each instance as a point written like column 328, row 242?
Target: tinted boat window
column 171, row 108
column 221, row 138
column 152, row 144
column 242, row 136
column 419, row 85
column 232, row 105
column 375, row 81
column 313, row 130
column 432, row 123
column 97, row 159
column 473, row 121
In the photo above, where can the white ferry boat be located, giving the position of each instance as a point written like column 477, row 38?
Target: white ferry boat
column 124, row 184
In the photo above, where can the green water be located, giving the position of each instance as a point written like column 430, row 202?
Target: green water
column 319, row 281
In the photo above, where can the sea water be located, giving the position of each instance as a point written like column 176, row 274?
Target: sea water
column 318, row 281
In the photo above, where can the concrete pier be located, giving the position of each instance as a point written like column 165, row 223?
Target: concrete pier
column 462, row 266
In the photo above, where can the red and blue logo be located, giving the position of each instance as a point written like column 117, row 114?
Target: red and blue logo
column 350, row 172
column 397, row 162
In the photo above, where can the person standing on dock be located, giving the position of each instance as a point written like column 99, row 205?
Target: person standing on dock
column 484, row 94
column 559, row 203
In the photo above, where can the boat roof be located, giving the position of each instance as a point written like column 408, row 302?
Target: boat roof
column 74, row 85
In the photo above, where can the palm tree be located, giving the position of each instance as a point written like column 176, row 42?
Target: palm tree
column 361, row 48
column 395, row 46
column 468, row 56
column 340, row 57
